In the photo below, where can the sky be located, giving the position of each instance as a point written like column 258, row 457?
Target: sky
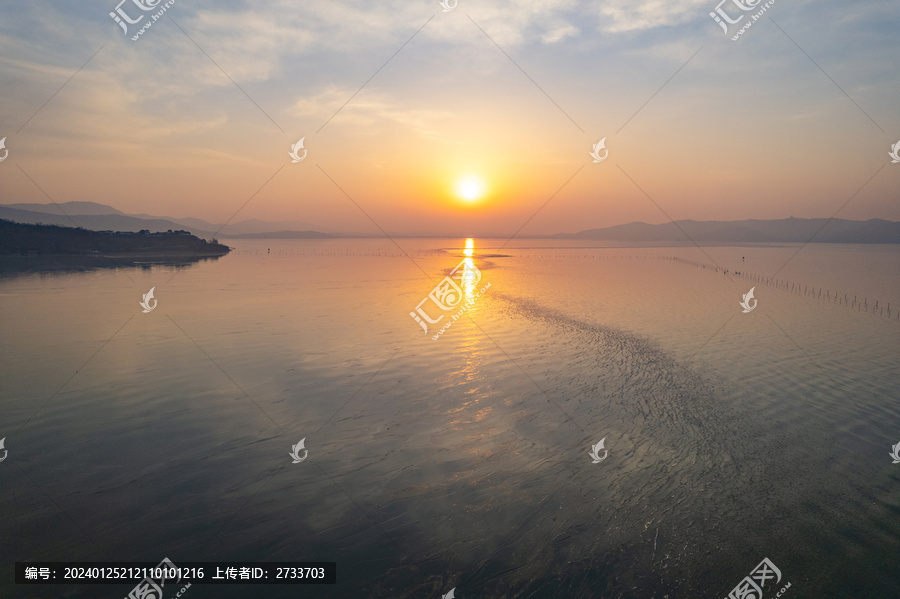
column 405, row 110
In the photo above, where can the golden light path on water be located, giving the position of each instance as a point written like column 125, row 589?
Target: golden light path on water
column 470, row 247
column 471, row 275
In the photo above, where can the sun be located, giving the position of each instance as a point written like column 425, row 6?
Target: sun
column 470, row 188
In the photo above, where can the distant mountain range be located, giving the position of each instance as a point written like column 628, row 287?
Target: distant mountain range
column 786, row 230
column 100, row 217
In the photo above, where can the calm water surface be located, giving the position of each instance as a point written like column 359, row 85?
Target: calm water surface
column 461, row 462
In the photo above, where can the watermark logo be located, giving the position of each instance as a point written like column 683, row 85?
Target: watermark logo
column 295, row 451
column 721, row 17
column 894, row 448
column 462, row 283
column 149, row 589
column 449, row 595
column 895, row 151
column 595, row 154
column 447, row 6
column 146, row 303
column 752, row 586
column 6, row 152
column 746, row 303
column 595, row 452
column 123, row 19
column 6, row 452
column 293, row 153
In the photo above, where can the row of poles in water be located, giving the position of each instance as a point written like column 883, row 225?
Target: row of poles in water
column 818, row 293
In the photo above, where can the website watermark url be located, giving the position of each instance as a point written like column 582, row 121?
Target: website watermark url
column 459, row 287
column 724, row 19
column 124, row 19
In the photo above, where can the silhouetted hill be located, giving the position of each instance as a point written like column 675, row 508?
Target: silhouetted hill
column 100, row 217
column 86, row 208
column 25, row 239
column 94, row 222
column 787, row 230
column 284, row 235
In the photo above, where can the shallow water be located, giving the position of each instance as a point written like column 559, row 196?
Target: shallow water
column 461, row 462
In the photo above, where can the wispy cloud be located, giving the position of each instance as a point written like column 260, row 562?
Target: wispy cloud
column 370, row 111
column 618, row 16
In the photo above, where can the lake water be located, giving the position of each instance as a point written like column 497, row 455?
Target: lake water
column 463, row 461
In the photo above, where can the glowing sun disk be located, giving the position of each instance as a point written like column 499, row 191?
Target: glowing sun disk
column 470, row 188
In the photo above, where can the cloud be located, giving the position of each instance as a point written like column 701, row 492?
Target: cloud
column 258, row 43
column 368, row 110
column 559, row 33
column 620, row 16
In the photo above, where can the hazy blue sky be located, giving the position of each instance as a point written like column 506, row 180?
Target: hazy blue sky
column 746, row 129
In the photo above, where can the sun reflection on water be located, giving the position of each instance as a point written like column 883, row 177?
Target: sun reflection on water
column 471, row 275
